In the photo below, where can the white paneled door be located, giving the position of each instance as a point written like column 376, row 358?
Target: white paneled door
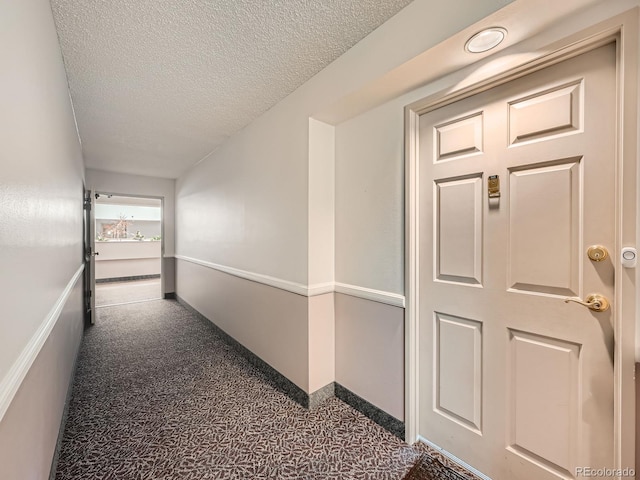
column 516, row 183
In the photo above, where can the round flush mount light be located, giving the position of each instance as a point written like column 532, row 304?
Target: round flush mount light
column 485, row 40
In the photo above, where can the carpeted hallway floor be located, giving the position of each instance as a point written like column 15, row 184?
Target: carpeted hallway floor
column 159, row 395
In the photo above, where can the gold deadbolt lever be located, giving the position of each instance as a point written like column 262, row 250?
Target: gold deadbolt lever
column 597, row 253
column 594, row 301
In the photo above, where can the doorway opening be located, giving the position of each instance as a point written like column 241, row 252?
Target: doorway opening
column 128, row 248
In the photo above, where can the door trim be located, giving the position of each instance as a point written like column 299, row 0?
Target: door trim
column 623, row 30
column 162, row 222
column 87, row 249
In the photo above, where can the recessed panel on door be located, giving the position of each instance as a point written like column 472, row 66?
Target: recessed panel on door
column 458, row 363
column 458, row 230
column 460, row 137
column 545, row 114
column 544, row 228
column 544, row 385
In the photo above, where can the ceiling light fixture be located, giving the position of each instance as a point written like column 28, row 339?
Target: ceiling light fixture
column 485, row 40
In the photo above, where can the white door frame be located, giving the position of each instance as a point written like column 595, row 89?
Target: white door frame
column 162, row 241
column 623, row 29
column 89, row 256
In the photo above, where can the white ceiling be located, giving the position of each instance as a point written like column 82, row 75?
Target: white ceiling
column 158, row 84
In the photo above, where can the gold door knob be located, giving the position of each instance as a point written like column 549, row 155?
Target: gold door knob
column 594, row 301
column 597, row 253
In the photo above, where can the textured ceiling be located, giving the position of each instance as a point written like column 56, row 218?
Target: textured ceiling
column 159, row 84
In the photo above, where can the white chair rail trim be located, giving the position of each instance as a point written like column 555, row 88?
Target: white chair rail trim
column 301, row 289
column 394, row 299
column 15, row 376
column 293, row 287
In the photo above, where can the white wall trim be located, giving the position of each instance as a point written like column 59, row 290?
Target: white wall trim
column 320, row 289
column 293, row 287
column 453, row 458
column 15, row 376
column 380, row 296
column 306, row 290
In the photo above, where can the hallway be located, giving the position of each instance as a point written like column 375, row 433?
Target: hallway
column 159, row 395
column 368, row 201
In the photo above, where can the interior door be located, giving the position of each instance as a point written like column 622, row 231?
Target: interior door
column 516, row 183
column 89, row 257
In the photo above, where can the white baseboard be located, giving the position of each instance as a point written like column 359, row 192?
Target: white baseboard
column 15, row 376
column 453, row 458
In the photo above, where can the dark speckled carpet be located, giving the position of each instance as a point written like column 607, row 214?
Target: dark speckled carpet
column 159, row 395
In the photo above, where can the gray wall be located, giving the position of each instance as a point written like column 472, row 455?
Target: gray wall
column 29, row 429
column 262, row 205
column 41, row 183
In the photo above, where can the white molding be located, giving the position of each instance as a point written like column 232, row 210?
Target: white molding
column 454, row 459
column 412, row 279
column 292, row 287
column 624, row 28
column 320, row 289
column 380, row 296
column 306, row 290
column 15, row 376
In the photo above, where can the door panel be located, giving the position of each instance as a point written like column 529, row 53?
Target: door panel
column 544, row 428
column 543, row 114
column 458, row 230
column 513, row 380
column 458, row 360
column 544, row 225
column 459, row 137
